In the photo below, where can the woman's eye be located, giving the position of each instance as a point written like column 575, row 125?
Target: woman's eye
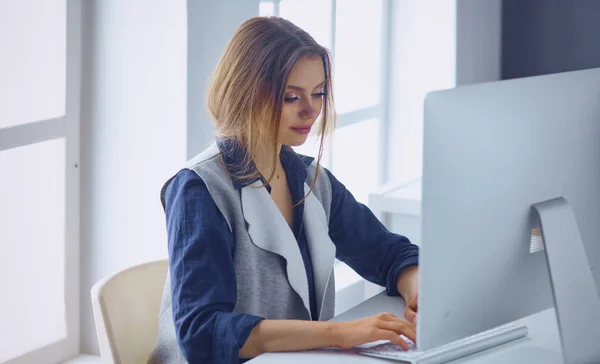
column 297, row 98
column 292, row 99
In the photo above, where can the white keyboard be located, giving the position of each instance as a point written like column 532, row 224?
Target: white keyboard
column 454, row 350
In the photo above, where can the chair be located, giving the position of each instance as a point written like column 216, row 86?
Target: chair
column 126, row 307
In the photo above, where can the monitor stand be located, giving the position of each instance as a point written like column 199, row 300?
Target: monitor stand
column 576, row 299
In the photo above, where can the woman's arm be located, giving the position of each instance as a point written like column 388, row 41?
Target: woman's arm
column 294, row 335
column 202, row 274
column 408, row 283
column 366, row 245
column 408, row 286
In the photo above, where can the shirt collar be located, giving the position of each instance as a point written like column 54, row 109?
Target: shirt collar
column 234, row 156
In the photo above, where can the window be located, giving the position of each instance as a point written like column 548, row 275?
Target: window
column 39, row 188
column 355, row 32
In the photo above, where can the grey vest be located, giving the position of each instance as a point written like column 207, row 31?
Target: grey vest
column 271, row 278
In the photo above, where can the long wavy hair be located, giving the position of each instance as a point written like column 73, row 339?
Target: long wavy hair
column 247, row 89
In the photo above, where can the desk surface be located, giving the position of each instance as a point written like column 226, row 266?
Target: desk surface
column 542, row 345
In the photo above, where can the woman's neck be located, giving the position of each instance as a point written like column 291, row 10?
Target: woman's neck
column 266, row 171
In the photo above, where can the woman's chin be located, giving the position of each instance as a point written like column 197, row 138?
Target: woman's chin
column 295, row 141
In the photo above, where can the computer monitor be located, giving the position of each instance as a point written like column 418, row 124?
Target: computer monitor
column 491, row 152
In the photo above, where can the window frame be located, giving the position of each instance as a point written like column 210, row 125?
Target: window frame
column 66, row 127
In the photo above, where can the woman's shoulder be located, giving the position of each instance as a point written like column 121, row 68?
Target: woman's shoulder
column 184, row 184
column 199, row 175
column 205, row 186
column 189, row 182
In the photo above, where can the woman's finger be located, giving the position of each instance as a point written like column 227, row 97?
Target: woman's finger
column 411, row 316
column 403, row 328
column 391, row 317
column 387, row 316
column 414, row 306
column 393, row 337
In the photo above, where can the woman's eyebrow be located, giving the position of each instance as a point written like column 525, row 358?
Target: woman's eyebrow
column 302, row 89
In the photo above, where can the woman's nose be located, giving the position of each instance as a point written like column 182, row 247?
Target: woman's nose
column 309, row 109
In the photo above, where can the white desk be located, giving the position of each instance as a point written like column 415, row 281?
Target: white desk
column 542, row 346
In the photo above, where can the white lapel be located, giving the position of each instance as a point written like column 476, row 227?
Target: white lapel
column 322, row 249
column 269, row 230
column 208, row 153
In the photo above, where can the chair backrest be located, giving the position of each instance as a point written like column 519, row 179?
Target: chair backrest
column 126, row 308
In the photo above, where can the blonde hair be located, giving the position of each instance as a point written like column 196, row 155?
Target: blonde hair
column 246, row 93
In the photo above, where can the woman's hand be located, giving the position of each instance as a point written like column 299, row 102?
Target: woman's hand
column 383, row 326
column 412, row 307
column 408, row 287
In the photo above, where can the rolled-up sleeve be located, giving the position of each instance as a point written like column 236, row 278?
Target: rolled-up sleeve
column 203, row 282
column 363, row 243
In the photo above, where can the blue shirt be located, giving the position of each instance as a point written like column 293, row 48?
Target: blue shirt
column 203, row 282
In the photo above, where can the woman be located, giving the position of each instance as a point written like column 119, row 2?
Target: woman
column 254, row 228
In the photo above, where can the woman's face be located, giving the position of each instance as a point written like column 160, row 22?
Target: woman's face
column 303, row 101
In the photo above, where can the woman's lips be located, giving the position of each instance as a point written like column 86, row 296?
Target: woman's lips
column 302, row 130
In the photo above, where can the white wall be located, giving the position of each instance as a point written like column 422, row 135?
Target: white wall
column 133, row 130
column 211, row 24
